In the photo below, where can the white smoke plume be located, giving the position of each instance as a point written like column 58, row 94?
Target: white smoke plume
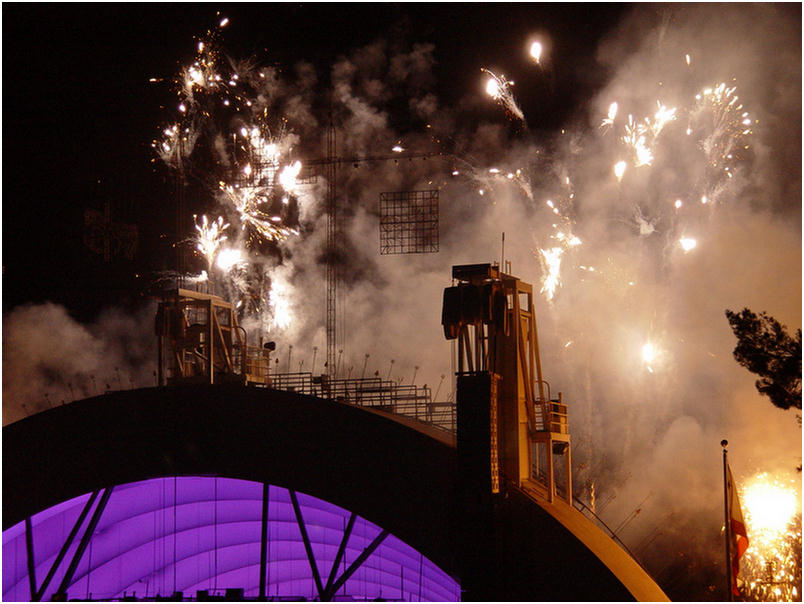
column 50, row 359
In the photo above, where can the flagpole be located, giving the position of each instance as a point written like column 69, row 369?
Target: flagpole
column 727, row 516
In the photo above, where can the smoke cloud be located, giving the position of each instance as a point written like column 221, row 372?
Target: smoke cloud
column 50, row 359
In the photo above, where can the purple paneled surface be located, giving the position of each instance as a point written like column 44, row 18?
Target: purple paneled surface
column 201, row 533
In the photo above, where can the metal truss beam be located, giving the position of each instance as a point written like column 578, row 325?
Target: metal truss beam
column 356, row 564
column 346, row 533
column 327, row 593
column 307, row 546
column 82, row 546
column 64, row 548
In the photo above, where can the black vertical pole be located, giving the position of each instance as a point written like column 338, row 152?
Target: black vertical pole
column 30, row 550
column 726, row 502
column 264, row 543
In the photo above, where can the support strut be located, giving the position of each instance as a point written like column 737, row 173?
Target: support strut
column 307, row 546
column 64, row 548
column 356, row 564
column 346, row 533
column 82, row 546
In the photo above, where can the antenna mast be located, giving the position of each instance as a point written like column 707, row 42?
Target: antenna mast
column 331, row 162
column 332, row 242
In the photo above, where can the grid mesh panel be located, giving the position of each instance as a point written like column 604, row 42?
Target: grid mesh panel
column 409, row 222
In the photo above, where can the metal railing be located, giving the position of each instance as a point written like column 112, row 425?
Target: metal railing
column 552, row 417
column 257, row 363
column 588, row 512
column 407, row 400
column 556, row 413
column 591, row 515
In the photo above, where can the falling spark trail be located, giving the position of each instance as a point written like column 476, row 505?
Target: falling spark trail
column 499, row 89
column 611, row 116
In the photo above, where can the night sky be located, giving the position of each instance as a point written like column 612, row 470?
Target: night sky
column 79, row 112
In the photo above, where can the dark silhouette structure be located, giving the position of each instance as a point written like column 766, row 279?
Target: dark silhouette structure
column 491, row 506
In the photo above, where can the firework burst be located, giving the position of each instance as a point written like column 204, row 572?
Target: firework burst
column 608, row 121
column 772, row 563
column 499, row 89
column 222, row 137
column 209, row 237
column 723, row 127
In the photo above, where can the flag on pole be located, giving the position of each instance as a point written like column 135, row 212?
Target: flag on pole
column 739, row 536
